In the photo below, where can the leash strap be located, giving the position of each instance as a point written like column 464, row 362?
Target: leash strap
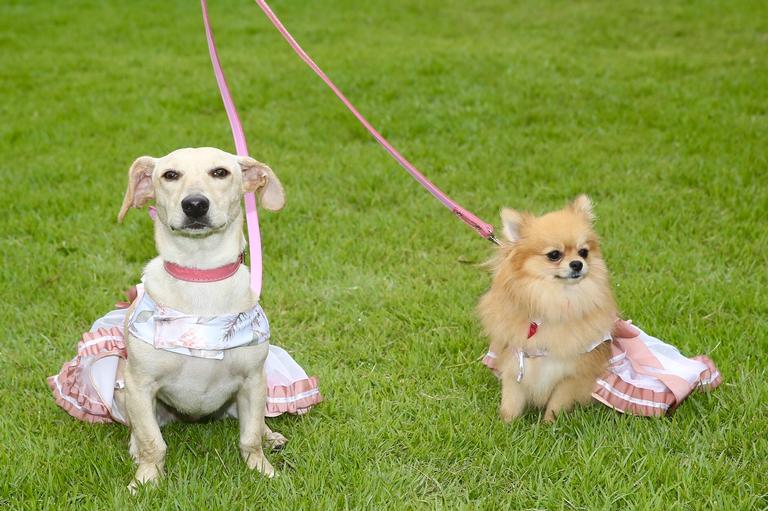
column 251, row 214
column 479, row 226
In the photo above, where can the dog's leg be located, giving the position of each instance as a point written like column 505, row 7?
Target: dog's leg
column 251, row 403
column 512, row 396
column 273, row 439
column 147, row 445
column 566, row 394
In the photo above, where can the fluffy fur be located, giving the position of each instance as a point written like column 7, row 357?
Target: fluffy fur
column 575, row 309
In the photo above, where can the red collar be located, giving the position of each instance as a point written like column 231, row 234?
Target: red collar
column 197, row 275
column 532, row 329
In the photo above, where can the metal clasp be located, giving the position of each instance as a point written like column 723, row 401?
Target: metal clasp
column 521, row 365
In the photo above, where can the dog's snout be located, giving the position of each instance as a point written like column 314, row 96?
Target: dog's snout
column 576, row 265
column 195, row 206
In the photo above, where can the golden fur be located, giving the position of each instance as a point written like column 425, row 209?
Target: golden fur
column 575, row 309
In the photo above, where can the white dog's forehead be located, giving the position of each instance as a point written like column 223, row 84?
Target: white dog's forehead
column 197, row 159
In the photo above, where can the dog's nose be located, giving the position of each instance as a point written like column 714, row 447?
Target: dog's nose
column 576, row 265
column 195, row 206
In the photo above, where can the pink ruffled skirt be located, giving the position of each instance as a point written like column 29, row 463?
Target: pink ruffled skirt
column 646, row 376
column 85, row 386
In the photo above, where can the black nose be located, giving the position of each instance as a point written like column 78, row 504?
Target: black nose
column 195, row 206
column 576, row 265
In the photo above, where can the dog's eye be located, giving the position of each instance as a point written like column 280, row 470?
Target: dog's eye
column 219, row 173
column 583, row 253
column 554, row 255
column 170, row 175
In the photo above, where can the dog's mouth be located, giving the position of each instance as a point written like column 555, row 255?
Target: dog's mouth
column 572, row 277
column 197, row 228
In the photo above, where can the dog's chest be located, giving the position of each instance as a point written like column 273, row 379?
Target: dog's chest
column 543, row 373
column 197, row 386
column 194, row 386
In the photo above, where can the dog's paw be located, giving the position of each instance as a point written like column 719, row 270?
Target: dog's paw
column 550, row 416
column 508, row 414
column 275, row 441
column 146, row 474
column 255, row 460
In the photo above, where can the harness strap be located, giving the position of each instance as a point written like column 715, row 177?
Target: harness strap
column 251, row 214
column 522, row 354
column 481, row 227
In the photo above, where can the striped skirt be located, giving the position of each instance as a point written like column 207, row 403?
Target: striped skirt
column 85, row 386
column 646, row 376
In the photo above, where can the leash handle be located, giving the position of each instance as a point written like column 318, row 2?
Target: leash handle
column 241, row 147
column 482, row 228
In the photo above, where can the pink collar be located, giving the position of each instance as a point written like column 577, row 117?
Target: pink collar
column 197, row 275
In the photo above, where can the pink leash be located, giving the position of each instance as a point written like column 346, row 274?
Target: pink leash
column 251, row 214
column 482, row 228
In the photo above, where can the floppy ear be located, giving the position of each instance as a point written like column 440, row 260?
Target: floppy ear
column 511, row 221
column 259, row 178
column 583, row 204
column 140, row 189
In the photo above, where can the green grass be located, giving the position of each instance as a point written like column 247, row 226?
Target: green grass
column 658, row 110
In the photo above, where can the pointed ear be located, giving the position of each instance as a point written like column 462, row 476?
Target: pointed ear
column 140, row 189
column 259, row 178
column 583, row 205
column 511, row 221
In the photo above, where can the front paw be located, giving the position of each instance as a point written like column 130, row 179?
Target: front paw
column 255, row 460
column 509, row 413
column 550, row 416
column 146, row 474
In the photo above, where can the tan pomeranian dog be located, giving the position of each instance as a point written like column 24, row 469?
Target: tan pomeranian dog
column 549, row 310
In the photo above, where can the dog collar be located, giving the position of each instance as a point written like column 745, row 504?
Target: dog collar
column 197, row 275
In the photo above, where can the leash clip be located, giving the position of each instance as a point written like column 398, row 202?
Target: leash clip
column 483, row 229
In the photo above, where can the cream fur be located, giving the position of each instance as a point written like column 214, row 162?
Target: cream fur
column 160, row 385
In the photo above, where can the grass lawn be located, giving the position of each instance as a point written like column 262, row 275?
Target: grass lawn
column 658, row 110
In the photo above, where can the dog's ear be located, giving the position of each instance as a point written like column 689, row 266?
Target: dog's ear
column 511, row 221
column 139, row 190
column 583, row 205
column 259, row 178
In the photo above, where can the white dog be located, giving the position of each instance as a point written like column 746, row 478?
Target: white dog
column 199, row 227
